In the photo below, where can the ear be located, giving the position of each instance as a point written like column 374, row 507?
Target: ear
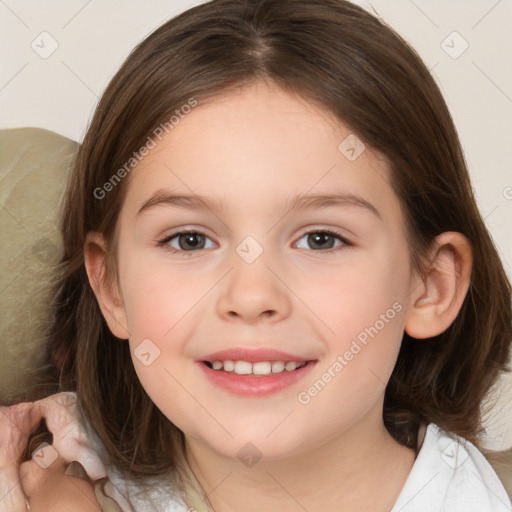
column 108, row 296
column 437, row 299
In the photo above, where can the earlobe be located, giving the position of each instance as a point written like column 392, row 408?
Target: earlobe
column 435, row 303
column 107, row 295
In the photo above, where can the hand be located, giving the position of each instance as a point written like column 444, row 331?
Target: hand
column 51, row 490
column 69, row 443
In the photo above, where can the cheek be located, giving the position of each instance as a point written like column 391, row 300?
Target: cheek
column 364, row 309
column 158, row 297
column 363, row 306
column 352, row 296
column 161, row 306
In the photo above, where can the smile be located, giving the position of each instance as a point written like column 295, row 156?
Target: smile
column 255, row 368
column 255, row 379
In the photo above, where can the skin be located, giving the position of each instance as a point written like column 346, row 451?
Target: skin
column 52, row 490
column 45, row 488
column 255, row 149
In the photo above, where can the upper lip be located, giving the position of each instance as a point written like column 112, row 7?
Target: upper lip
column 254, row 355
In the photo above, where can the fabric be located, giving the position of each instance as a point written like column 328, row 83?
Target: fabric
column 34, row 167
column 122, row 492
column 449, row 475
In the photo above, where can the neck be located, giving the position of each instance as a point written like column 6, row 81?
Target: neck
column 362, row 469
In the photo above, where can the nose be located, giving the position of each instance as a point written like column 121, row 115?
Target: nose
column 254, row 291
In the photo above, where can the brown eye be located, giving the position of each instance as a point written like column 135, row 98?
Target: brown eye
column 323, row 240
column 185, row 241
column 189, row 241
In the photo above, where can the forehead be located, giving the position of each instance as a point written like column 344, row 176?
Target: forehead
column 259, row 143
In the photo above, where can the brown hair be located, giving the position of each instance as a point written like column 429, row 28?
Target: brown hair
column 343, row 59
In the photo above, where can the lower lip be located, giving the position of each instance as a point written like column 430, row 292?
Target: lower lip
column 251, row 385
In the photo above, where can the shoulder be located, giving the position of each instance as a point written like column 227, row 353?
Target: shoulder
column 155, row 495
column 451, row 474
column 150, row 494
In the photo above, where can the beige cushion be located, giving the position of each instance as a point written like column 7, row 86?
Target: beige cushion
column 34, row 165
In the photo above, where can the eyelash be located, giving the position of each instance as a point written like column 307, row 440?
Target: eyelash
column 163, row 243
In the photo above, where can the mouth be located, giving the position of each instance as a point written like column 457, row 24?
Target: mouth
column 258, row 368
column 255, row 379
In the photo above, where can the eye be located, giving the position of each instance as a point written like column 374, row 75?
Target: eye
column 323, row 240
column 187, row 241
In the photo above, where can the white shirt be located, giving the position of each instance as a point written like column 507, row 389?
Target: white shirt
column 449, row 475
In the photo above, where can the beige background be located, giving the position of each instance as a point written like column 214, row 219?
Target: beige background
column 93, row 37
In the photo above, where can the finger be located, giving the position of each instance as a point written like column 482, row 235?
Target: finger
column 33, row 475
column 89, row 460
column 58, row 410
column 69, row 436
column 56, row 489
column 12, row 496
column 16, row 423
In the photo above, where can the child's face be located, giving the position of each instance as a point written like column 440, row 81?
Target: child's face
column 309, row 297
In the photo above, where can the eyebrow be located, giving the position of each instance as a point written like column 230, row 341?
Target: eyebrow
column 196, row 202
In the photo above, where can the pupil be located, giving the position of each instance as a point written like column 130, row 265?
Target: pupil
column 318, row 239
column 191, row 240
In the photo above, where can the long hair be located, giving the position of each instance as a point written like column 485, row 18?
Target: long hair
column 339, row 57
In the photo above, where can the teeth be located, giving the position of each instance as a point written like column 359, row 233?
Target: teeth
column 261, row 368
column 258, row 368
column 277, row 367
column 243, row 368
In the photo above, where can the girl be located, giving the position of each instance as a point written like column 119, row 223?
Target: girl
column 277, row 292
